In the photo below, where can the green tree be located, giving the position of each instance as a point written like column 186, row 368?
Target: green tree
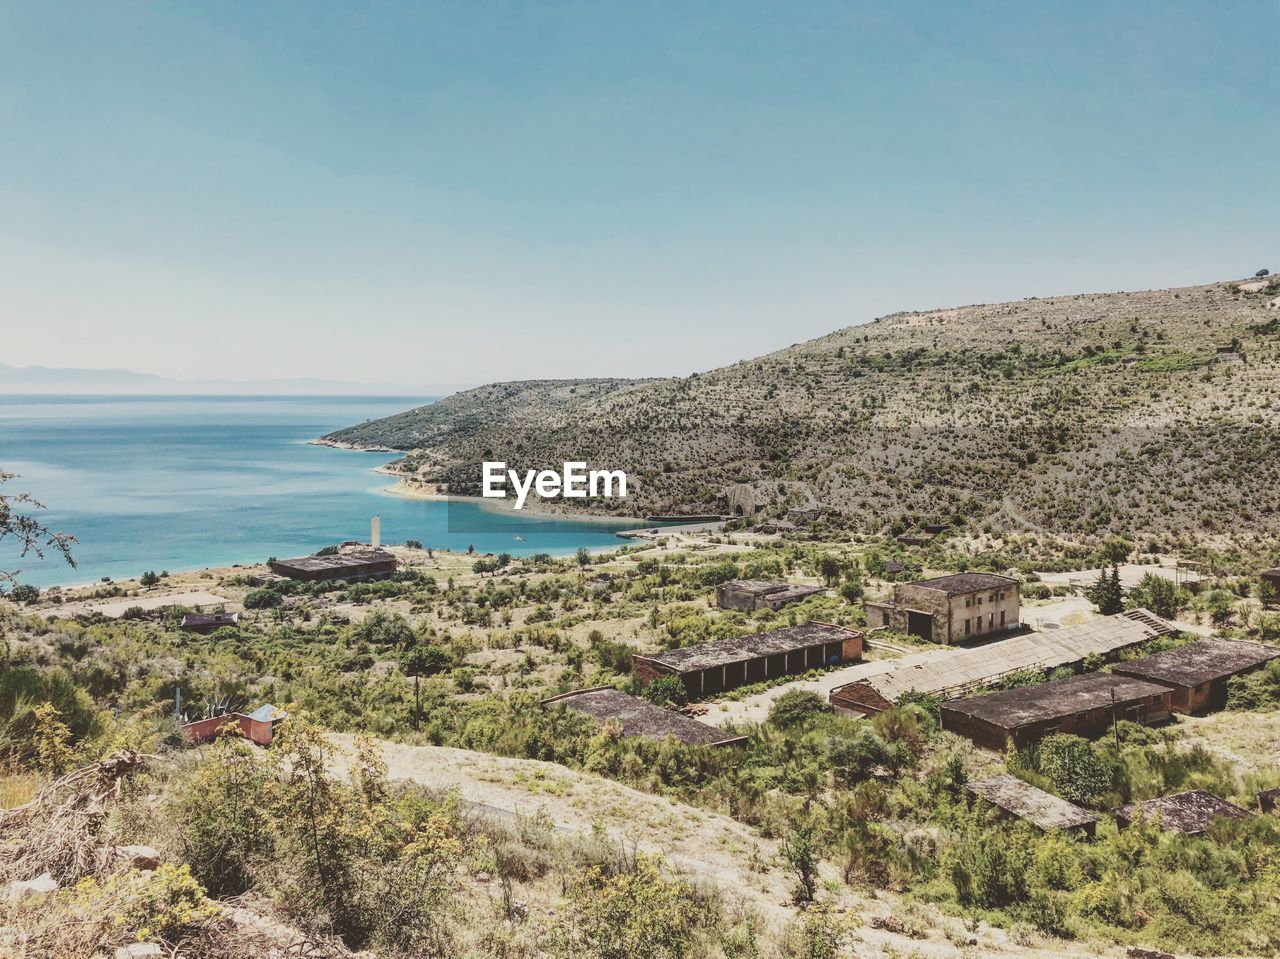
column 667, row 689
column 1157, row 594
column 1106, row 592
column 1074, row 767
column 418, row 661
column 800, row 852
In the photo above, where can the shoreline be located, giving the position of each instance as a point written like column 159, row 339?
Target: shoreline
column 411, row 489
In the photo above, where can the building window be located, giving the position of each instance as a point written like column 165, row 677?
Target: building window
column 979, row 600
column 968, row 603
column 966, row 628
column 991, row 619
column 885, row 614
column 1002, row 617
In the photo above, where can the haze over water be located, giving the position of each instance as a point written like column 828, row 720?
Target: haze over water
column 180, row 483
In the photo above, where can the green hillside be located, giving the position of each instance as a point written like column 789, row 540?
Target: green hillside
column 1154, row 415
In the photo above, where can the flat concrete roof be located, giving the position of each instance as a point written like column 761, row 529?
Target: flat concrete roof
column 1031, row 803
column 639, row 718
column 1188, row 812
column 959, row 584
column 1012, row 708
column 1200, row 662
column 694, row 658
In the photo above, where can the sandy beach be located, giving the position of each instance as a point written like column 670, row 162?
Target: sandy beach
column 411, row 489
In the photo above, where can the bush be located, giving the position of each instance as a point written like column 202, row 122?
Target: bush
column 666, row 689
column 24, row 593
column 264, row 598
column 1074, row 767
column 797, row 707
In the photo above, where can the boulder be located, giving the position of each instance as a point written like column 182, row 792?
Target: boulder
column 138, row 857
column 139, row 950
column 21, row 889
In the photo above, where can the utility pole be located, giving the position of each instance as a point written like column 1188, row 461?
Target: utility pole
column 1115, row 729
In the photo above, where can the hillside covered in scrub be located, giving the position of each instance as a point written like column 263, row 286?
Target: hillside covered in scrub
column 1153, row 415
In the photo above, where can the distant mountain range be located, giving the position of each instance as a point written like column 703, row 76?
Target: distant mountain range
column 45, row 380
column 1153, row 415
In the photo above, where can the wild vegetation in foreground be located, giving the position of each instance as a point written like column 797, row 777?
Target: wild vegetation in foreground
column 457, row 651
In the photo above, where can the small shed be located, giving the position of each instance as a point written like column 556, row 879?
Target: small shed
column 1189, row 813
column 1025, row 801
column 641, row 719
column 208, row 622
column 755, row 594
column 1271, row 576
column 1198, row 672
column 715, row 667
column 257, row 726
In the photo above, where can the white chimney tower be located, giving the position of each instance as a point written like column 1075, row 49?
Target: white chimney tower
column 375, row 531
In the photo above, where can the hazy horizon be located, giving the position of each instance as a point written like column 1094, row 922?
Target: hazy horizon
column 427, row 194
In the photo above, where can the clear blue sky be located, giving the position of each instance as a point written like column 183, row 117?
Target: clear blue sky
column 443, row 193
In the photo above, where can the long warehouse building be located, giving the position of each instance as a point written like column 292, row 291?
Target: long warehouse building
column 949, row 675
column 728, row 663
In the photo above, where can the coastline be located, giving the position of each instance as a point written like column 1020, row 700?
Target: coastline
column 411, row 489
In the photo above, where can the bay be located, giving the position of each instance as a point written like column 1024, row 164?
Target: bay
column 187, row 482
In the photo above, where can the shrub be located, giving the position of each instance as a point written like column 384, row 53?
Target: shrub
column 264, row 598
column 797, row 707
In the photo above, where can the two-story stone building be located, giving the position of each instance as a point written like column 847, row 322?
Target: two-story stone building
column 950, row 609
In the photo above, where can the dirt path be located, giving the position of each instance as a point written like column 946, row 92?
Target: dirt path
column 701, row 844
column 696, row 842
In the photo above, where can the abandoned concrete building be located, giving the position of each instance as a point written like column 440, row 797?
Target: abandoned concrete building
column 1198, row 672
column 715, row 667
column 755, row 594
column 351, row 562
column 962, row 671
column 950, row 609
column 1269, row 800
column 1025, row 801
column 1189, row 813
column 1084, row 705
column 637, row 718
column 208, row 622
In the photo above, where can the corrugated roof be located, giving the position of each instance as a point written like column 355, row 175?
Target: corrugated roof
column 1031, row 803
column 957, row 584
column 968, row 668
column 721, row 653
column 1200, row 662
column 1011, row 708
column 638, row 717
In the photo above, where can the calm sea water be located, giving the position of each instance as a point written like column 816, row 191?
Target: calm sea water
column 182, row 483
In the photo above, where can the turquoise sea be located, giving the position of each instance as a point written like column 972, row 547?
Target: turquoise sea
column 181, row 483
